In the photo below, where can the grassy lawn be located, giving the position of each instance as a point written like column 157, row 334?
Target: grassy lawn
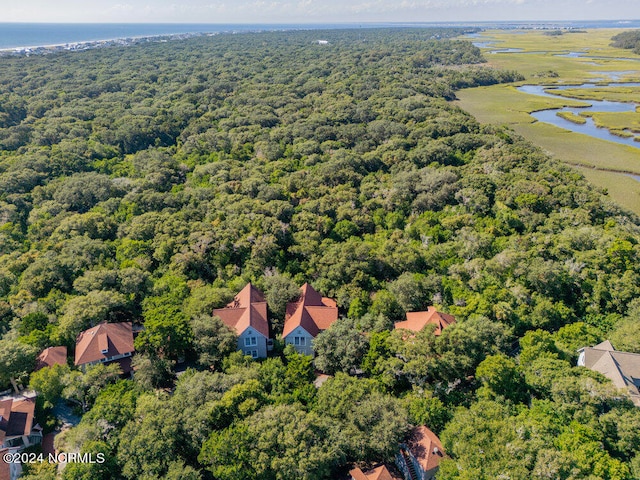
column 599, row 160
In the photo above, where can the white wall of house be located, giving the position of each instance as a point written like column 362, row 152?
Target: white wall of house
column 253, row 343
column 301, row 340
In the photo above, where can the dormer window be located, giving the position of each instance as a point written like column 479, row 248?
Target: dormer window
column 103, row 343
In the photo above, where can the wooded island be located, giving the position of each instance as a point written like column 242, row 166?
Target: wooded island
column 149, row 185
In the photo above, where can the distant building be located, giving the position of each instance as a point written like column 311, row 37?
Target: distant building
column 420, row 455
column 306, row 318
column 378, row 473
column 52, row 356
column 622, row 368
column 323, row 42
column 247, row 315
column 416, row 321
column 106, row 343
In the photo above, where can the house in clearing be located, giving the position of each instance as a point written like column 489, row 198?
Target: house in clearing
column 379, row 473
column 247, row 316
column 622, row 368
column 420, row 455
column 106, row 343
column 306, row 318
column 416, row 321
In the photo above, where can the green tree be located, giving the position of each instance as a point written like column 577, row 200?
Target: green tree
column 279, row 290
column 16, row 361
column 152, row 371
column 82, row 388
column 49, row 382
column 341, row 347
column 501, row 379
column 212, row 340
column 291, row 444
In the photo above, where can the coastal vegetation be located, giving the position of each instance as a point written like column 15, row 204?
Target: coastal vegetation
column 629, row 40
column 572, row 117
column 151, row 183
column 567, row 59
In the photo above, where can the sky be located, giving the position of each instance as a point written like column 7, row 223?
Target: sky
column 313, row 11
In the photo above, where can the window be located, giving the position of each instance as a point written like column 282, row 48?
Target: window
column 300, row 341
column 250, row 341
column 254, row 353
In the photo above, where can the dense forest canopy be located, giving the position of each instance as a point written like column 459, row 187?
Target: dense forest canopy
column 150, row 183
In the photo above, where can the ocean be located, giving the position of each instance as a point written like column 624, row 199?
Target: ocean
column 20, row 35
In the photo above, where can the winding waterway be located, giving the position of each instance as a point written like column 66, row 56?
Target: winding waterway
column 588, row 128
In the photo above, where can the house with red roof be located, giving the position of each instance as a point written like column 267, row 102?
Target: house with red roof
column 378, row 473
column 18, row 430
column 247, row 316
column 416, row 321
column 306, row 318
column 106, row 343
column 17, row 427
column 52, row 356
column 420, row 455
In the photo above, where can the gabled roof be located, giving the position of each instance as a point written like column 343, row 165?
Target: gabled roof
column 52, row 356
column 622, row 368
column 426, row 447
column 606, row 345
column 416, row 321
column 379, row 473
column 113, row 338
column 311, row 311
column 16, row 416
column 248, row 309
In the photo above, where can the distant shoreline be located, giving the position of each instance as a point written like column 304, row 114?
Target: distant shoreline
column 53, row 40
column 93, row 44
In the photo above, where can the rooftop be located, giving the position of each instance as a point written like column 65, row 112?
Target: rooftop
column 52, row 356
column 622, row 368
column 416, row 321
column 311, row 311
column 378, row 473
column 426, row 447
column 104, row 341
column 16, row 415
column 248, row 309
